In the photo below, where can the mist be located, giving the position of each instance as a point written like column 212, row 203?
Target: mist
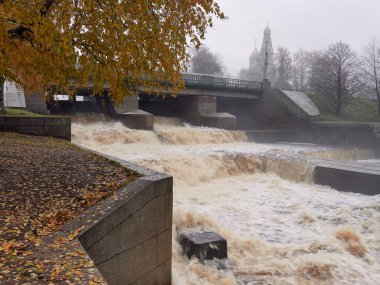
column 307, row 24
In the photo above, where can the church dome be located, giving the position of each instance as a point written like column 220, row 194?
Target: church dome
column 255, row 56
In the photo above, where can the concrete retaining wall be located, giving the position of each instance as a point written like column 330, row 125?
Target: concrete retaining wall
column 131, row 243
column 58, row 127
column 349, row 176
column 348, row 134
column 276, row 110
column 363, row 135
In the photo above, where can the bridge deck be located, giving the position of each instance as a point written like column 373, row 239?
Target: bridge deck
column 209, row 81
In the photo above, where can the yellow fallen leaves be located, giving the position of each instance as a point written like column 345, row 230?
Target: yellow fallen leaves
column 38, row 195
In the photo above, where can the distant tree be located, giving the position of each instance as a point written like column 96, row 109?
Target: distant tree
column 371, row 70
column 206, row 62
column 283, row 63
column 335, row 74
column 301, row 69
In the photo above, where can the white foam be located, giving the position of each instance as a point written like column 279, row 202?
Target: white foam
column 280, row 228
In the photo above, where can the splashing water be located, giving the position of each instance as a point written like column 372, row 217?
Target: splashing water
column 280, row 228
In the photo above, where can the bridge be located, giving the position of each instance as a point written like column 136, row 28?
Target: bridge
column 207, row 100
column 220, row 86
column 209, row 85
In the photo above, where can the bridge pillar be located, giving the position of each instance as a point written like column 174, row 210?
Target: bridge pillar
column 36, row 102
column 131, row 116
column 201, row 110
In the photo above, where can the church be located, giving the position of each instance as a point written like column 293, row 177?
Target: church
column 261, row 63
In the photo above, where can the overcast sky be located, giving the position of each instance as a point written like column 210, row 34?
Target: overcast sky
column 307, row 24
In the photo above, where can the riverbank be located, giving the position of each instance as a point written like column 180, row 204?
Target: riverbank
column 45, row 183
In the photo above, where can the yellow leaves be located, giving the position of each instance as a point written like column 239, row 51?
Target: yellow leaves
column 50, row 193
column 75, row 233
column 6, row 247
column 110, row 39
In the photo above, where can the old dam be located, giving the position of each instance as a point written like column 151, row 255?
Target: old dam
column 281, row 227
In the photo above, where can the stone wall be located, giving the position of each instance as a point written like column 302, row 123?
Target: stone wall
column 131, row 242
column 58, row 127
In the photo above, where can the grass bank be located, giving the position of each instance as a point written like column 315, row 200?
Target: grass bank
column 19, row 112
column 357, row 110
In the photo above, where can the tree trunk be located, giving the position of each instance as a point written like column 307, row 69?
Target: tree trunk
column 2, row 93
column 338, row 109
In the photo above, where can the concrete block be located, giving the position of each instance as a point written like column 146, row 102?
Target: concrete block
column 58, row 131
column 57, row 121
column 219, row 120
column 169, row 210
column 155, row 277
column 131, row 265
column 31, row 130
column 206, row 104
column 129, row 104
column 168, row 272
column 204, row 245
column 145, row 223
column 131, row 240
column 164, row 247
column 8, row 128
column 31, row 121
column 8, row 121
column 163, row 184
column 139, row 120
column 348, row 179
column 37, row 108
column 138, row 193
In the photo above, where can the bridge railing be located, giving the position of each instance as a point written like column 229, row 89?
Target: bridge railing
column 220, row 82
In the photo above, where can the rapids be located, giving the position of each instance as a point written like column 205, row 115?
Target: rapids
column 280, row 227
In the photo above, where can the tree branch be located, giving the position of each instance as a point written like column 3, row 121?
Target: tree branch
column 46, row 7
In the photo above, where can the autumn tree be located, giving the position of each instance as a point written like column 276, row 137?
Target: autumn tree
column 335, row 74
column 371, row 70
column 206, row 62
column 115, row 42
column 283, row 64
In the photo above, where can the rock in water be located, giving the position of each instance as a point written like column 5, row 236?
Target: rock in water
column 204, row 245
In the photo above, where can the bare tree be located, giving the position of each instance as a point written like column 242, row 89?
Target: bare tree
column 206, row 62
column 301, row 69
column 283, row 63
column 371, row 70
column 335, row 74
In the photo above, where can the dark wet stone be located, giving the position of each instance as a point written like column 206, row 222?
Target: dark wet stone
column 204, row 245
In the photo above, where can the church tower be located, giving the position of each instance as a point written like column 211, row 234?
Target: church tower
column 258, row 70
column 267, row 55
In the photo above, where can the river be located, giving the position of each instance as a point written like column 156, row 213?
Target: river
column 280, row 227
